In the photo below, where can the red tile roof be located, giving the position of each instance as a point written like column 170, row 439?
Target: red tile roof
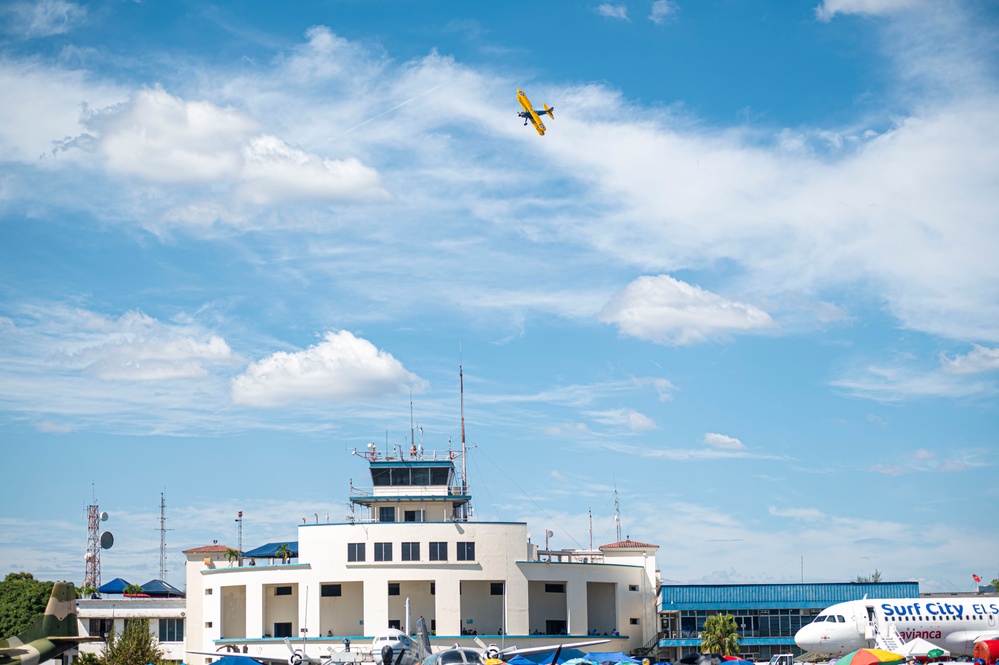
column 208, row 549
column 628, row 543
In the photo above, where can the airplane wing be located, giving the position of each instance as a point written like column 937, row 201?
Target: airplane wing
column 258, row 658
column 531, row 113
column 568, row 645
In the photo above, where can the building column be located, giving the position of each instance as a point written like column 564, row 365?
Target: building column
column 575, row 608
column 448, row 605
column 376, row 612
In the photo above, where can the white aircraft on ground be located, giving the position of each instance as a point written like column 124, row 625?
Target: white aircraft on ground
column 951, row 623
column 401, row 649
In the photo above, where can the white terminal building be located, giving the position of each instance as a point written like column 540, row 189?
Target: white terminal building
column 412, row 543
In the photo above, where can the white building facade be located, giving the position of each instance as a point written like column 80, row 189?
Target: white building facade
column 166, row 616
column 414, row 544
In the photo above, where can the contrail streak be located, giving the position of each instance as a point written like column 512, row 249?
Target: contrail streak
column 394, row 108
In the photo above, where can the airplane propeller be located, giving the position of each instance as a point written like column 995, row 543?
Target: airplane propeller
column 493, row 651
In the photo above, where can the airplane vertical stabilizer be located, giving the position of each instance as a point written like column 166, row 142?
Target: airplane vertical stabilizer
column 59, row 619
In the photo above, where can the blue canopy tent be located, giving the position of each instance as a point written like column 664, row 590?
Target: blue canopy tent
column 269, row 551
column 161, row 589
column 545, row 657
column 117, row 585
column 608, row 656
column 237, row 660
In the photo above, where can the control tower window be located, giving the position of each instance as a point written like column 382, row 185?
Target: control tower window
column 386, row 514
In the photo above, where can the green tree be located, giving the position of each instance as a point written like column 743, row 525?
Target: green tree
column 283, row 551
column 22, row 600
column 135, row 646
column 232, row 555
column 873, row 578
column 87, row 658
column 720, row 635
column 132, row 590
column 995, row 583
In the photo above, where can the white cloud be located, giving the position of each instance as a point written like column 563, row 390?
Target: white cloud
column 164, row 139
column 667, row 311
column 69, row 368
column 979, row 359
column 137, row 347
column 829, row 8
column 722, row 442
column 633, row 420
column 275, row 172
column 340, row 368
column 613, row 11
column 42, row 18
column 662, row 10
column 902, row 381
column 922, row 460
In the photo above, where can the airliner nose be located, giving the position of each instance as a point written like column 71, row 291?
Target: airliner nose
column 807, row 638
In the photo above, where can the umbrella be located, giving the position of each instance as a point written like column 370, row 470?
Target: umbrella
column 918, row 647
column 870, row 657
column 936, row 653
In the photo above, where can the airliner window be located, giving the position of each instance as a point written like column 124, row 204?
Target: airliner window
column 819, row 619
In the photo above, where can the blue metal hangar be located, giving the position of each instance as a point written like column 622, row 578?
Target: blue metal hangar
column 768, row 615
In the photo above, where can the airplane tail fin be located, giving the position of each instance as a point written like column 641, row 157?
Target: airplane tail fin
column 59, row 619
column 423, row 640
column 550, row 111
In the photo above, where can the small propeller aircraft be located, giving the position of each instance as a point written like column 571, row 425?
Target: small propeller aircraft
column 529, row 114
column 389, row 647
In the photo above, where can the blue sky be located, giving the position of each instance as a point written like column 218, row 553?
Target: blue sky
column 748, row 279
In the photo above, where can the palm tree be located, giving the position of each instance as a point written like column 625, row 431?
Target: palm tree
column 232, row 555
column 283, row 551
column 132, row 590
column 720, row 635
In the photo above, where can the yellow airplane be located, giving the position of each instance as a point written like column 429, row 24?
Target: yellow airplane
column 531, row 115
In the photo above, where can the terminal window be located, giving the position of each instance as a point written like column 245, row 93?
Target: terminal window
column 282, row 591
column 355, row 551
column 495, row 588
column 438, row 551
column 328, row 590
column 466, row 551
column 554, row 588
column 393, row 589
column 171, row 630
column 410, row 551
column 282, row 629
column 383, row 551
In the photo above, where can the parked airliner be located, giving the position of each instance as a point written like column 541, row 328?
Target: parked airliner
column 952, row 623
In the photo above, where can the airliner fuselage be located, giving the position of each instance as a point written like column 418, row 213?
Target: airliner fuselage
column 952, row 623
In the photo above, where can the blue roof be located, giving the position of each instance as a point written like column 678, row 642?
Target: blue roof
column 269, row 551
column 117, row 585
column 161, row 589
column 777, row 596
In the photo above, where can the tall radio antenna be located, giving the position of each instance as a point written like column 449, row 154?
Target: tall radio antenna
column 461, row 390
column 163, row 530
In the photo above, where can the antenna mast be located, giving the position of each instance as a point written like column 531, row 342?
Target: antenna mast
column 617, row 516
column 163, row 530
column 92, row 578
column 461, row 390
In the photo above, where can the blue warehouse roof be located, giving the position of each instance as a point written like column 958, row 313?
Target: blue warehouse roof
column 777, row 596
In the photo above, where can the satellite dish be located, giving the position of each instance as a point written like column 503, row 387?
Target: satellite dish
column 107, row 540
column 104, row 516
